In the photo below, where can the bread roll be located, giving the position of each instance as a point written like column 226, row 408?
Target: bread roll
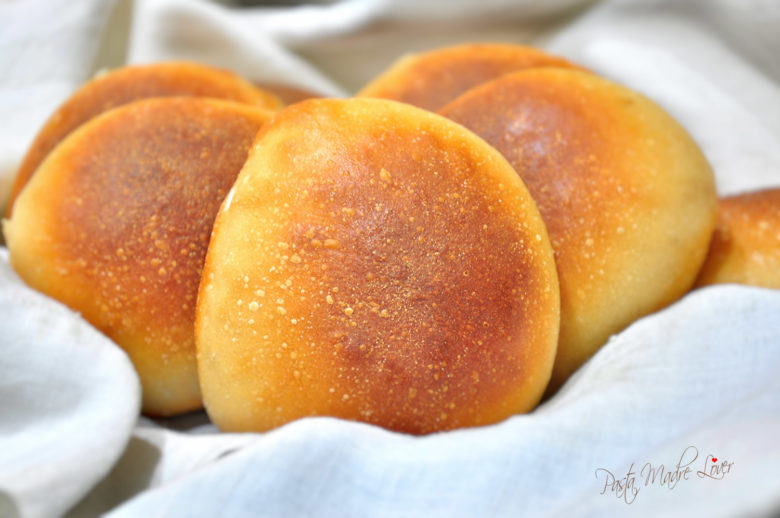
column 745, row 247
column 627, row 196
column 432, row 79
column 379, row 263
column 128, row 84
column 116, row 221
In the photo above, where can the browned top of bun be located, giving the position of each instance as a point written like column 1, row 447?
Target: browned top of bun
column 380, row 263
column 566, row 146
column 149, row 185
column 129, row 84
column 431, row 79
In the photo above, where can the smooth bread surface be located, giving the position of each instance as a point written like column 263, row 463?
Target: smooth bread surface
column 375, row 262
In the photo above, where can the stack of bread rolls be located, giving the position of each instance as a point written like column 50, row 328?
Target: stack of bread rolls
column 436, row 252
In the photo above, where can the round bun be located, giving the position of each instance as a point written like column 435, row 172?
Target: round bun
column 128, row 84
column 116, row 222
column 432, row 79
column 375, row 262
column 627, row 196
column 745, row 247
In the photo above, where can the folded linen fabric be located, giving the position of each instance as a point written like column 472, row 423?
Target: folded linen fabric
column 691, row 390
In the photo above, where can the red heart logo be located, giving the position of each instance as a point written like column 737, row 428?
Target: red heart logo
column 714, row 459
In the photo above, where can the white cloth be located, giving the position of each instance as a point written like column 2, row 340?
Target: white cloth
column 702, row 373
column 69, row 399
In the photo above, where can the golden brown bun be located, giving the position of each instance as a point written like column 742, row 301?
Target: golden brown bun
column 132, row 83
column 375, row 262
column 432, row 79
column 116, row 222
column 745, row 247
column 628, row 198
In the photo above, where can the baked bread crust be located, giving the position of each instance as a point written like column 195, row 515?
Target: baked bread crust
column 745, row 247
column 627, row 196
column 116, row 221
column 375, row 262
column 128, row 84
column 432, row 79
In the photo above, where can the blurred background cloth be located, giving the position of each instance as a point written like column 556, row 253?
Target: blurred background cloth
column 702, row 373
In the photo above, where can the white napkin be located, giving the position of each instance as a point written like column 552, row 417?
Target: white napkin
column 68, row 401
column 701, row 374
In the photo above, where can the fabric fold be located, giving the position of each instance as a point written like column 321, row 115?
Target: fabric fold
column 670, row 381
column 69, row 397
